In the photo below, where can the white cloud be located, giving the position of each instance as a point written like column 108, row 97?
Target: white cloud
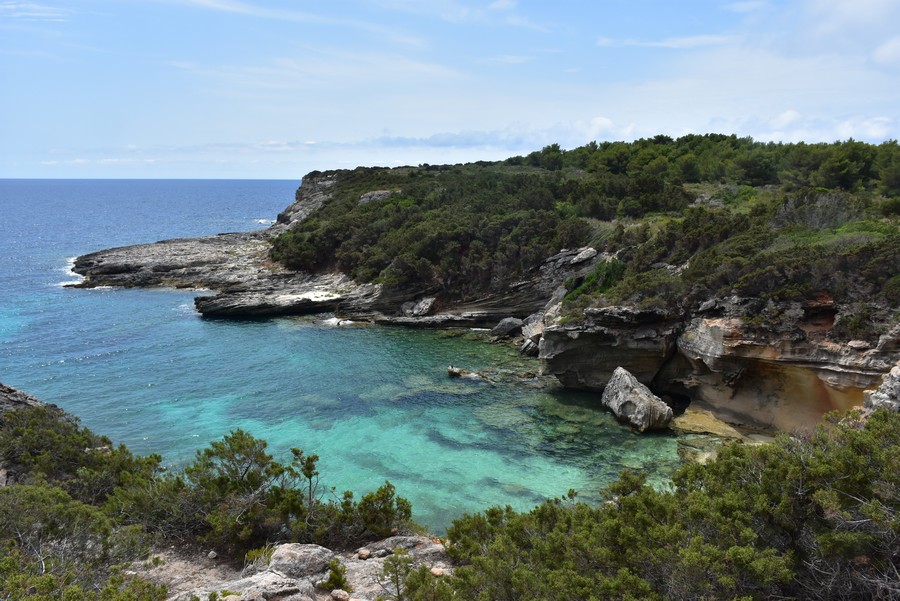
column 786, row 118
column 679, row 43
column 867, row 128
column 503, row 4
column 690, row 41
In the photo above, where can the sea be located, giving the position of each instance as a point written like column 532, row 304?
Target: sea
column 142, row 367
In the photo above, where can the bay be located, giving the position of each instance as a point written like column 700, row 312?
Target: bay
column 142, row 367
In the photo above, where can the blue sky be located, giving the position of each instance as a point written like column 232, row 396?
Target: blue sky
column 276, row 88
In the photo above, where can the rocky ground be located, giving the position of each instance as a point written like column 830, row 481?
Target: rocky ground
column 293, row 573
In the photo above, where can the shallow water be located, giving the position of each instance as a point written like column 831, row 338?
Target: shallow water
column 375, row 403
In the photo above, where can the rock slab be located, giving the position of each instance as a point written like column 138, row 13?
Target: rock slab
column 633, row 402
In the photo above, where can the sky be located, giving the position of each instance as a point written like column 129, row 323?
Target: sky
column 278, row 88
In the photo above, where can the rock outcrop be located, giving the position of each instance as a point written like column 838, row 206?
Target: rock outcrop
column 247, row 284
column 10, row 399
column 585, row 355
column 783, row 377
column 295, row 571
column 771, row 380
column 633, row 403
column 886, row 396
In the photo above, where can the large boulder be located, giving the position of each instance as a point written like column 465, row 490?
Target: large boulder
column 507, row 328
column 633, row 402
column 299, row 561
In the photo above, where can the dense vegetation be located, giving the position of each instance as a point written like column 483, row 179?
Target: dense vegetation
column 688, row 219
column 810, row 518
column 81, row 507
column 461, row 230
column 814, row 517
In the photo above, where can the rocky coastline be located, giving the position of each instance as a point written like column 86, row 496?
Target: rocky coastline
column 783, row 376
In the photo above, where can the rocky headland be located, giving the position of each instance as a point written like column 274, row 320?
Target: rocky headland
column 783, row 375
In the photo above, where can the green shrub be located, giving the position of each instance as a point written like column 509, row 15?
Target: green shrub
column 337, row 576
column 811, row 518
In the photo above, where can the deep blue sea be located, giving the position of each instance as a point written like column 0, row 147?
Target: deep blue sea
column 375, row 403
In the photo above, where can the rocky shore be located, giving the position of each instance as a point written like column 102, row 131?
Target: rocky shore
column 783, row 376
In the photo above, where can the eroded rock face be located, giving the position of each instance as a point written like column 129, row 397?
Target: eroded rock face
column 633, row 403
column 585, row 356
column 887, row 395
column 783, row 377
column 749, row 378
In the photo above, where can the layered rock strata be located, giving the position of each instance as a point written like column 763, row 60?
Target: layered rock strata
column 10, row 399
column 784, row 378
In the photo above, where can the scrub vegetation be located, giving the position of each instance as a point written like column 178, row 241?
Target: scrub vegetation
column 687, row 220
column 814, row 517
column 81, row 509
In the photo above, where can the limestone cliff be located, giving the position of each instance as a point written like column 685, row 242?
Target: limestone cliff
column 785, row 376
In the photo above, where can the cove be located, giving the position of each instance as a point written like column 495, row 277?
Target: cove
column 375, row 403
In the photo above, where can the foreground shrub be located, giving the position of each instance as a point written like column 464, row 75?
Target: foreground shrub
column 811, row 518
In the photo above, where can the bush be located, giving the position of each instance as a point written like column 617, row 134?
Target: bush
column 811, row 518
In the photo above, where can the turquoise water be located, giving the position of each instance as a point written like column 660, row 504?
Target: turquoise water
column 141, row 367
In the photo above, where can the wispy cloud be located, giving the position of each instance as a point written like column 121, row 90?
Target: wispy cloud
column 749, row 6
column 510, row 59
column 244, row 8
column 888, row 53
column 31, row 11
column 677, row 43
column 297, row 16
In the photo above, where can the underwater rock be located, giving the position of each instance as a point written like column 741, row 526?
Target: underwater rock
column 458, row 372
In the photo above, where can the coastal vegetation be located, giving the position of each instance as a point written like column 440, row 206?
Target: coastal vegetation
column 686, row 219
column 82, row 508
column 807, row 517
